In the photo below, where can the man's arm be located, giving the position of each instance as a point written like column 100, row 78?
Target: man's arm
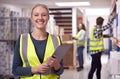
column 107, row 35
column 98, row 31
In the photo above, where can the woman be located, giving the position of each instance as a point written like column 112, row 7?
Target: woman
column 33, row 51
column 80, row 37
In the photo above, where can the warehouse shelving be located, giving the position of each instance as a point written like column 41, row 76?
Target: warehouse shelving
column 10, row 29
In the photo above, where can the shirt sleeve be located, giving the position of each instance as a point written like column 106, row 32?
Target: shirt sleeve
column 107, row 35
column 17, row 68
column 82, row 37
column 98, row 31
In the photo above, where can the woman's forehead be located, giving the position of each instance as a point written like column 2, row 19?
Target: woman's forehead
column 40, row 8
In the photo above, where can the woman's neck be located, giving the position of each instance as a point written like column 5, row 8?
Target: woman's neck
column 39, row 35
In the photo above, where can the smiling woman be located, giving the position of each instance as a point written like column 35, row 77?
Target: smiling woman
column 33, row 51
column 40, row 17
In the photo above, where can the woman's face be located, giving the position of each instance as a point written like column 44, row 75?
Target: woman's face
column 40, row 17
column 80, row 26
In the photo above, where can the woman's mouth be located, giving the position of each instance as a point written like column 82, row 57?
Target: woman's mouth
column 40, row 22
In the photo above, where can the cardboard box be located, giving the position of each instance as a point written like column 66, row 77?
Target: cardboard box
column 66, row 37
column 68, row 59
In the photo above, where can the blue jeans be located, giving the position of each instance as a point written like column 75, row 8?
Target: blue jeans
column 80, row 55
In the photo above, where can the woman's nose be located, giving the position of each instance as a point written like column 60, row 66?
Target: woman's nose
column 40, row 17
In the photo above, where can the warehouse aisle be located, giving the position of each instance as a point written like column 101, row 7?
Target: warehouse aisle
column 73, row 74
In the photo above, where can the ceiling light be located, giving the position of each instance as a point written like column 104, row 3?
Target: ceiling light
column 72, row 3
column 98, row 11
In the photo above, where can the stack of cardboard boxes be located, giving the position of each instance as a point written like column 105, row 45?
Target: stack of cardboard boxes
column 69, row 60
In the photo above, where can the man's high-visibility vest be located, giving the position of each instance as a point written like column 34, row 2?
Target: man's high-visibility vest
column 95, row 43
column 30, row 58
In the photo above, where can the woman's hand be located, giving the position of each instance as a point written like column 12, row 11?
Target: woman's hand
column 53, row 62
column 74, row 38
column 41, row 68
column 56, row 63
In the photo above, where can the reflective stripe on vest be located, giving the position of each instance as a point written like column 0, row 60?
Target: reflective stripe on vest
column 26, row 47
column 81, row 43
column 95, row 43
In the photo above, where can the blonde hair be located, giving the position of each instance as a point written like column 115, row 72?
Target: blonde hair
column 42, row 5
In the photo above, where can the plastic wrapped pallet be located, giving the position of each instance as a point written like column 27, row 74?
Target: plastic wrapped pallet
column 114, row 64
column 6, row 58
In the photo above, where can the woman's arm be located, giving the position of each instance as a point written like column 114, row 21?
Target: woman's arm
column 17, row 68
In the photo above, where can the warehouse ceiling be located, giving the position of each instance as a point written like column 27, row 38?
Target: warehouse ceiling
column 62, row 15
column 51, row 3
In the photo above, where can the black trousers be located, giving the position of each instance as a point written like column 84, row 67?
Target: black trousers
column 95, row 66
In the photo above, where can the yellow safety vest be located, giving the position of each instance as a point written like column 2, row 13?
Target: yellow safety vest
column 95, row 43
column 80, row 43
column 29, row 56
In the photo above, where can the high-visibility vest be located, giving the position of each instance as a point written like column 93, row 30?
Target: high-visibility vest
column 80, row 43
column 30, row 58
column 95, row 43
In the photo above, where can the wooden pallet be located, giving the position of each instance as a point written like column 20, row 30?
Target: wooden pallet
column 69, row 67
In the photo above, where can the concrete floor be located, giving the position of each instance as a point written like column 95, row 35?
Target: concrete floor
column 73, row 74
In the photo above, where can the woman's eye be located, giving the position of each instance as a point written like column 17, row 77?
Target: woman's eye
column 44, row 15
column 36, row 15
column 40, row 14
